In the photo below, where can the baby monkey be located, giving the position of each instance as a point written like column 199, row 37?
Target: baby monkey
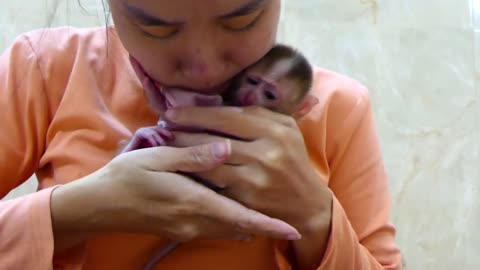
column 280, row 81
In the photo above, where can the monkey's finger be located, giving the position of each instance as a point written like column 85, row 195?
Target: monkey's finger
column 153, row 139
column 164, row 132
column 133, row 144
column 159, row 140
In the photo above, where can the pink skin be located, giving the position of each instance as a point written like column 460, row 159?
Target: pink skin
column 258, row 90
column 148, row 137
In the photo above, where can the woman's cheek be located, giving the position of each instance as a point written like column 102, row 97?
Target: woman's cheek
column 258, row 44
column 251, row 52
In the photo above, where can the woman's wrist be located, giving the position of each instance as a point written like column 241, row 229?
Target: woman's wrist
column 73, row 211
column 310, row 250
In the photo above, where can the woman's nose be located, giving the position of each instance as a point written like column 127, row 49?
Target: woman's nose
column 203, row 67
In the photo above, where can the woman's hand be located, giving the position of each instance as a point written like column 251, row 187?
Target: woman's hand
column 139, row 192
column 269, row 170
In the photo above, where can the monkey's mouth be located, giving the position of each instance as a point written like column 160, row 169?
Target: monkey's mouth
column 249, row 99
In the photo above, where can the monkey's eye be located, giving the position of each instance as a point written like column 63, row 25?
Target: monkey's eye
column 252, row 81
column 269, row 95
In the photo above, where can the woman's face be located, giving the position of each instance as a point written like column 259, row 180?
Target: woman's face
column 196, row 44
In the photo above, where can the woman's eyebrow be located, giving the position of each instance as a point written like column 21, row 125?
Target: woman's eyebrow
column 147, row 19
column 249, row 7
column 150, row 20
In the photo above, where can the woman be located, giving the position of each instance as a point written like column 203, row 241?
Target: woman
column 69, row 96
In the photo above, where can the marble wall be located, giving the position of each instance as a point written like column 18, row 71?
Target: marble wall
column 420, row 54
column 424, row 55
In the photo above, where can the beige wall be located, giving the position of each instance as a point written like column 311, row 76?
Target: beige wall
column 420, row 54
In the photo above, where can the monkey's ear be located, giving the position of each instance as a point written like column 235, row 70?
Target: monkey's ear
column 305, row 106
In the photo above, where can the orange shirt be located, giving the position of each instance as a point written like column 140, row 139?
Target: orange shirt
column 65, row 104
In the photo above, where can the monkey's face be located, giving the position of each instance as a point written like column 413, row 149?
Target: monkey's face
column 259, row 89
column 255, row 89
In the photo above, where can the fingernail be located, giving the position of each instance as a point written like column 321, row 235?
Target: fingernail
column 221, row 149
column 294, row 237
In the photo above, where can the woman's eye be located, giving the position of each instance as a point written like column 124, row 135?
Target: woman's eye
column 160, row 31
column 242, row 22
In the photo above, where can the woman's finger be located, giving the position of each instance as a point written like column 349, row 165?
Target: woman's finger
column 189, row 159
column 245, row 220
column 186, row 139
column 241, row 152
column 225, row 176
column 280, row 118
column 248, row 123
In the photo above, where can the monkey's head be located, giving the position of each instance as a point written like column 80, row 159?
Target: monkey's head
column 280, row 81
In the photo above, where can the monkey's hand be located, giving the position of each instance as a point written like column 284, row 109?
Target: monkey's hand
column 149, row 137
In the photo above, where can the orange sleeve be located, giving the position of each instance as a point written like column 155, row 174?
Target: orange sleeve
column 24, row 114
column 26, row 238
column 343, row 141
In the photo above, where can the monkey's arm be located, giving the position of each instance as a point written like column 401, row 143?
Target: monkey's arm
column 148, row 137
column 361, row 236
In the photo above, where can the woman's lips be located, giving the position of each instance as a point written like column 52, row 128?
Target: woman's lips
column 160, row 86
column 142, row 74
